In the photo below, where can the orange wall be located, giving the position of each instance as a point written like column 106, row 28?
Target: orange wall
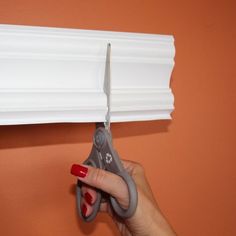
column 190, row 161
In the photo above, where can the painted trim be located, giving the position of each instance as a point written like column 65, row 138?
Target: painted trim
column 50, row 75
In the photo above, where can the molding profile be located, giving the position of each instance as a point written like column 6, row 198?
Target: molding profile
column 50, row 75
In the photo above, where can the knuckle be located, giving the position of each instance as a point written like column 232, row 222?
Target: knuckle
column 139, row 168
column 98, row 177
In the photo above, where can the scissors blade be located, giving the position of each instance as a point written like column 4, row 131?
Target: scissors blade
column 107, row 87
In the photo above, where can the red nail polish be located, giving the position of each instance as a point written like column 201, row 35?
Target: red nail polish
column 84, row 209
column 88, row 198
column 78, row 170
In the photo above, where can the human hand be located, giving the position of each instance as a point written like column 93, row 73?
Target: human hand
column 147, row 219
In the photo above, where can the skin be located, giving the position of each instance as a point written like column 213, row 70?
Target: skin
column 147, row 219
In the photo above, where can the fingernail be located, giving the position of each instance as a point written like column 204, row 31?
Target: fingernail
column 88, row 198
column 84, row 209
column 78, row 170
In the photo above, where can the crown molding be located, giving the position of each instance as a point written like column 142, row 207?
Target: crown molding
column 50, row 75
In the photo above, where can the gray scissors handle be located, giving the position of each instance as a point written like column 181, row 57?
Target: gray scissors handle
column 123, row 213
column 96, row 206
column 112, row 163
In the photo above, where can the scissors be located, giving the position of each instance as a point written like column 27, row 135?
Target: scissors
column 104, row 156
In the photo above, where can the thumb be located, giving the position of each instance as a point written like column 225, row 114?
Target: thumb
column 103, row 180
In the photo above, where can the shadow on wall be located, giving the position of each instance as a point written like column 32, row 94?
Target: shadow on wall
column 16, row 136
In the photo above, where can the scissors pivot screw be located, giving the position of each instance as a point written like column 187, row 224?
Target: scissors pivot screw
column 99, row 140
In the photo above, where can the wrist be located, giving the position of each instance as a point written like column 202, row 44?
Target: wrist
column 160, row 226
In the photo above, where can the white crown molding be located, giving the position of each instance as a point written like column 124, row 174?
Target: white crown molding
column 52, row 75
